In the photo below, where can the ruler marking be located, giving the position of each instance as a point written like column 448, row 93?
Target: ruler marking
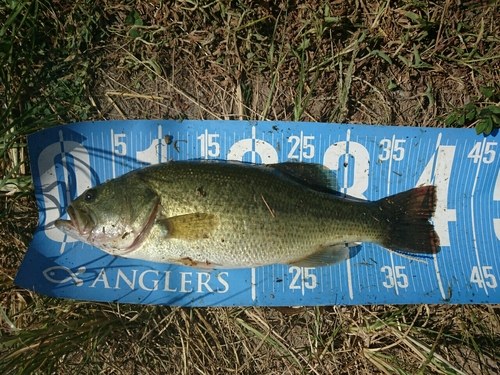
column 465, row 221
column 419, row 147
column 254, row 135
column 376, row 185
column 319, row 148
column 389, row 170
column 282, row 148
column 369, row 278
column 348, row 261
column 205, row 144
column 332, row 285
column 93, row 148
column 321, row 281
column 271, row 281
column 223, row 150
column 476, row 249
column 374, row 151
column 136, row 156
column 302, row 281
column 66, row 183
column 272, row 141
column 430, row 154
column 253, row 285
column 65, row 165
column 103, row 163
column 266, row 279
column 161, row 150
column 376, row 251
column 113, row 166
column 283, row 278
column 433, row 179
column 132, row 152
column 391, row 254
column 464, row 256
column 301, row 150
column 234, row 140
column 418, row 283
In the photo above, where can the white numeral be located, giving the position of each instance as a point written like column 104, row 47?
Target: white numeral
column 209, row 145
column 360, row 167
column 487, row 155
column 120, row 145
column 296, row 143
column 307, row 279
column 395, row 277
column 392, row 150
column 303, row 144
column 486, row 280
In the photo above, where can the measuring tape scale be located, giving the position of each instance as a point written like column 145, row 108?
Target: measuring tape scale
column 370, row 162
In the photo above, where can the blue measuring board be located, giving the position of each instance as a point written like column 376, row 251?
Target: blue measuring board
column 371, row 162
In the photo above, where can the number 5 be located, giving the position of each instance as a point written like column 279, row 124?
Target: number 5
column 118, row 143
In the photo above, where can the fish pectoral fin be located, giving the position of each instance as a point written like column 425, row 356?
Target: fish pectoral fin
column 192, row 227
column 325, row 255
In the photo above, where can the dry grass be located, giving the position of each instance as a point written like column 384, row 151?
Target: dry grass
column 399, row 63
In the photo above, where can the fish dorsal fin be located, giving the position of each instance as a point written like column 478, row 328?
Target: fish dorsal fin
column 325, row 255
column 314, row 176
column 195, row 226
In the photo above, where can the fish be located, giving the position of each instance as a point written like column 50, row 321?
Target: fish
column 221, row 214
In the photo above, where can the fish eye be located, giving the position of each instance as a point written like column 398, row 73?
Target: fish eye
column 90, row 195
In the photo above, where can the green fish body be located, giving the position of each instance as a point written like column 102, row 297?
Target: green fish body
column 210, row 214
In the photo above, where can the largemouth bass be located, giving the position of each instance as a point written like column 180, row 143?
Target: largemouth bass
column 210, row 214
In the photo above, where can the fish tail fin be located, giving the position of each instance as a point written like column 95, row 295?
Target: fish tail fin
column 408, row 215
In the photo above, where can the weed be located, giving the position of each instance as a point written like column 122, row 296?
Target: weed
column 485, row 117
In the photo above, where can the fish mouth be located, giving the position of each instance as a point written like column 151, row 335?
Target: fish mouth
column 82, row 221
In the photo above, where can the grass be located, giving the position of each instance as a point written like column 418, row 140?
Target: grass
column 398, row 63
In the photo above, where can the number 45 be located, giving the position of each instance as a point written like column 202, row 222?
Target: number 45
column 486, row 280
column 483, row 150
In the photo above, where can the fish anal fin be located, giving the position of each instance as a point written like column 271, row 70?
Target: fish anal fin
column 191, row 227
column 325, row 255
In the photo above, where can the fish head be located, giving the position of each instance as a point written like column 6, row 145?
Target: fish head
column 115, row 217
